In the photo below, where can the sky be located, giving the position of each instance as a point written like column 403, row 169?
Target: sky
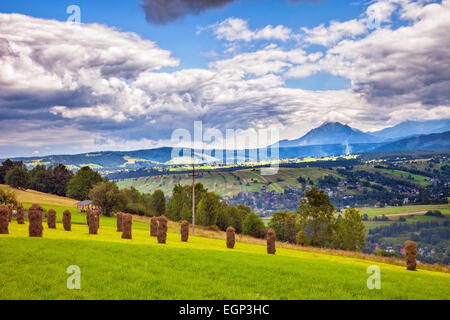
column 127, row 74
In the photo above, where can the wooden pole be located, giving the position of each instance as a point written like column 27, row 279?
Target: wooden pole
column 193, row 198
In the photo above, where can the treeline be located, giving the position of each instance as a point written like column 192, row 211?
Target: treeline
column 315, row 224
column 212, row 212
column 53, row 179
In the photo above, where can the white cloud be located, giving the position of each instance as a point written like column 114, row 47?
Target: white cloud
column 336, row 31
column 234, row 29
column 96, row 87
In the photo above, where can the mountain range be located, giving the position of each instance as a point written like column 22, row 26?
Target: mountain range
column 330, row 139
column 338, row 133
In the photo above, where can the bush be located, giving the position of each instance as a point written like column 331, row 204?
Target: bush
column 302, row 238
column 254, row 226
column 7, row 197
column 285, row 225
column 208, row 209
column 435, row 213
column 223, row 220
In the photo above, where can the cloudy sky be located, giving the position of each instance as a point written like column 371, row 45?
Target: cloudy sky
column 132, row 72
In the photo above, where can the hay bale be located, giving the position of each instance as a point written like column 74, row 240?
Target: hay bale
column 97, row 213
column 231, row 234
column 35, row 214
column 162, row 229
column 271, row 237
column 411, row 253
column 10, row 212
column 154, row 227
column 20, row 214
column 127, row 222
column 4, row 219
column 67, row 220
column 119, row 222
column 92, row 220
column 51, row 219
column 184, row 231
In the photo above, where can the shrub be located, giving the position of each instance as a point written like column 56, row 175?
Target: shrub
column 7, row 197
column 302, row 238
column 254, row 226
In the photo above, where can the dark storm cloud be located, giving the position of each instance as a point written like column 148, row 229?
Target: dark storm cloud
column 164, row 11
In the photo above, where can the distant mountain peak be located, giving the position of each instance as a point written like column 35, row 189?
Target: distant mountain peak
column 331, row 133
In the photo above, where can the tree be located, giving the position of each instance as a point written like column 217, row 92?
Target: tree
column 107, row 196
column 243, row 211
column 285, row 225
column 7, row 197
column 61, row 177
column 208, row 209
column 236, row 217
column 224, row 219
column 17, row 177
column 158, row 203
column 186, row 213
column 302, row 238
column 41, row 179
column 6, row 166
column 82, row 182
column 254, row 226
column 181, row 197
column 316, row 216
column 136, row 202
column 350, row 231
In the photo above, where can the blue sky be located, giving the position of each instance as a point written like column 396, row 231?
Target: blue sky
column 121, row 81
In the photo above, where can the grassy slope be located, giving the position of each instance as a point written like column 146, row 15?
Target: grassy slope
column 32, row 196
column 229, row 183
column 203, row 268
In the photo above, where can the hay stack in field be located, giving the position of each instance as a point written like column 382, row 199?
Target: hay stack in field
column 67, row 220
column 162, row 229
column 184, row 231
column 127, row 223
column 271, row 237
column 231, row 234
column 92, row 222
column 51, row 219
column 411, row 253
column 10, row 212
column 20, row 214
column 154, row 227
column 4, row 219
column 35, row 214
column 97, row 214
column 119, row 221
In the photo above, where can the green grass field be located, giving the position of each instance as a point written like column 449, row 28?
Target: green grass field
column 113, row 268
column 203, row 268
column 405, row 210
